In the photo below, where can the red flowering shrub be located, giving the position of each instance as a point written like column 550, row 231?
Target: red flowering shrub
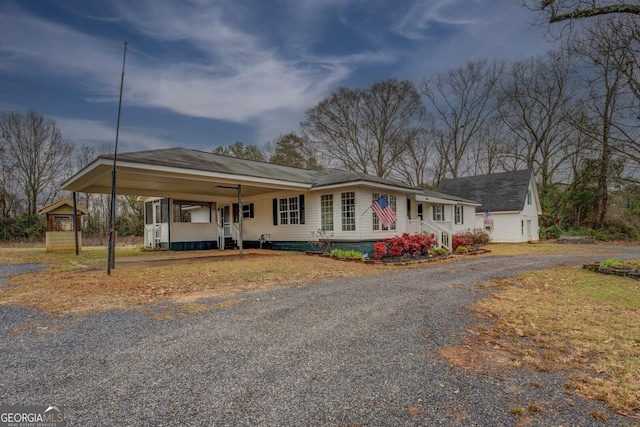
column 472, row 239
column 459, row 240
column 406, row 245
column 379, row 250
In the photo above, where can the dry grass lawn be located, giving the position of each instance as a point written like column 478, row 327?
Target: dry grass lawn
column 80, row 284
column 568, row 319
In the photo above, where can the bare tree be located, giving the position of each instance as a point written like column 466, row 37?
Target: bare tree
column 609, row 106
column 413, row 167
column 462, row 101
column 367, row 130
column 624, row 41
column 537, row 104
column 565, row 10
column 37, row 154
column 489, row 156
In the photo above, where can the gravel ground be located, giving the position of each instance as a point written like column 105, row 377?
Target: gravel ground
column 351, row 352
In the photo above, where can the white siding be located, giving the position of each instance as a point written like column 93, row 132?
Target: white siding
column 164, row 232
column 193, row 231
column 262, row 223
column 511, row 227
column 201, row 215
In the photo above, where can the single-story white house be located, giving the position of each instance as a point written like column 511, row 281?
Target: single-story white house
column 509, row 206
column 199, row 200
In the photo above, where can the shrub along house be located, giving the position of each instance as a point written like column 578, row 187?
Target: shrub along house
column 508, row 207
column 200, row 200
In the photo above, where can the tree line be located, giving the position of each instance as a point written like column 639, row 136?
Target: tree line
column 570, row 115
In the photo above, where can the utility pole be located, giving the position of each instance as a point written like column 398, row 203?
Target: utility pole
column 111, row 255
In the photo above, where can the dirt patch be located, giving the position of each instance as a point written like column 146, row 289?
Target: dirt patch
column 478, row 357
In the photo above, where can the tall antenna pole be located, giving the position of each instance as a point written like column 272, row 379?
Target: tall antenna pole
column 111, row 261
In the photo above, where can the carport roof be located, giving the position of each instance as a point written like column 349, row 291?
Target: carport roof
column 198, row 175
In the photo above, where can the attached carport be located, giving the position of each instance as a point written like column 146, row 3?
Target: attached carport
column 184, row 174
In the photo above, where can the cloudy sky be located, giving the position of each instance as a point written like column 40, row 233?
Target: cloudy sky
column 204, row 73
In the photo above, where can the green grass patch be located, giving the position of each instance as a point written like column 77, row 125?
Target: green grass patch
column 88, row 257
column 340, row 253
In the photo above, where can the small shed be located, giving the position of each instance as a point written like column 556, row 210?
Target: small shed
column 60, row 225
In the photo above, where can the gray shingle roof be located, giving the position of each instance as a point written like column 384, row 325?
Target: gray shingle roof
column 209, row 162
column 497, row 192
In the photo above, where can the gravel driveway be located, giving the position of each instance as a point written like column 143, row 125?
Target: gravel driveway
column 350, row 352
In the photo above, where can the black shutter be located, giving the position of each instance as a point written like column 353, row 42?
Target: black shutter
column 301, row 201
column 251, row 210
column 275, row 211
column 409, row 208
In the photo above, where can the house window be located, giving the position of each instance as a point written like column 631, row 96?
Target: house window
column 348, row 211
column 522, row 227
column 148, row 213
column 391, row 199
column 247, row 210
column 191, row 212
column 438, row 212
column 529, row 197
column 289, row 210
column 62, row 222
column 164, row 210
column 458, row 214
column 420, row 211
column 326, row 212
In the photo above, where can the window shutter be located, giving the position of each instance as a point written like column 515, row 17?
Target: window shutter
column 251, row 210
column 408, row 208
column 301, row 201
column 275, row 211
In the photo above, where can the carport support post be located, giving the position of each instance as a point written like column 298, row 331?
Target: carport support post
column 75, row 222
column 240, row 218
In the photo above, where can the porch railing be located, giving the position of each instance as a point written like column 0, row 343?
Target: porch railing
column 220, row 236
column 441, row 234
column 154, row 234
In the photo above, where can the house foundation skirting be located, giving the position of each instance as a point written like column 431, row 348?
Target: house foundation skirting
column 193, row 246
column 299, row 246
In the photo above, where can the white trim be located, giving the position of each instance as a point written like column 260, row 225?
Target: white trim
column 371, row 184
column 431, row 199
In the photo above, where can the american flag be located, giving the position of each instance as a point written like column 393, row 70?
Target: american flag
column 385, row 213
column 488, row 219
